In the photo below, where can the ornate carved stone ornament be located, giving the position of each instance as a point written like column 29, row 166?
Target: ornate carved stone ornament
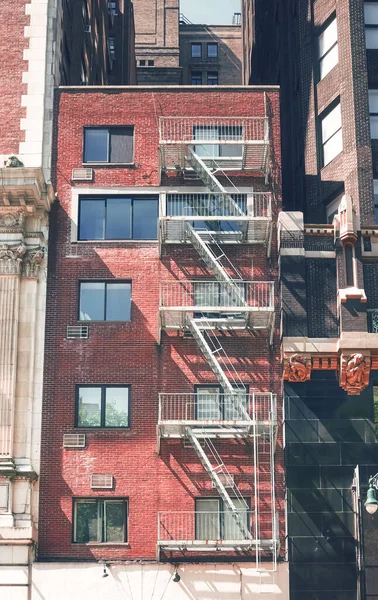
column 13, row 162
column 11, row 258
column 9, row 220
column 32, row 262
column 297, row 368
column 354, row 372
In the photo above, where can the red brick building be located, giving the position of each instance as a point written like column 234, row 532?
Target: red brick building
column 161, row 427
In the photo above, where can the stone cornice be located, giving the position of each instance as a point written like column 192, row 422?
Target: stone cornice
column 25, row 188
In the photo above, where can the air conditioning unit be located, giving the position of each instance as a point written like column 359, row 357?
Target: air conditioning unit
column 227, row 480
column 73, row 440
column 82, row 174
column 87, row 28
column 77, row 332
column 104, row 482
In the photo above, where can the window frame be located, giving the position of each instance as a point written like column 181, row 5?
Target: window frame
column 221, row 510
column 106, row 281
column 215, row 45
column 108, row 128
column 103, row 387
column 192, row 73
column 212, row 74
column 105, row 198
column 199, row 45
column 324, row 28
column 323, row 115
column 372, row 114
column 371, row 27
column 102, row 501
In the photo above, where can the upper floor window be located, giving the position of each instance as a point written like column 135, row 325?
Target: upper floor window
column 196, row 78
column 212, row 78
column 118, row 218
column 214, row 520
column 109, row 145
column 105, row 301
column 212, row 50
column 102, row 406
column 196, row 50
column 331, row 134
column 371, row 25
column 99, row 520
column 328, row 48
column 373, row 110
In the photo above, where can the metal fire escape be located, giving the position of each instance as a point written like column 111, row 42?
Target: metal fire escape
column 207, row 327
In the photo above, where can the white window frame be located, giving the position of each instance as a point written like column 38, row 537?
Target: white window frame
column 329, row 54
column 331, row 135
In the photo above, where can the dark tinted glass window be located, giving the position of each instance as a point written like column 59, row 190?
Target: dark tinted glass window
column 212, row 79
column 196, row 78
column 118, row 218
column 196, row 50
column 113, row 144
column 103, row 301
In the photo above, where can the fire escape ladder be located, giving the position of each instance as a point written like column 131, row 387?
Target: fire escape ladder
column 214, row 471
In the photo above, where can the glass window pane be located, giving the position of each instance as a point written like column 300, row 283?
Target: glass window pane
column 92, row 301
column 196, row 78
column 212, row 50
column 96, row 145
column 373, row 101
column 206, row 133
column 371, row 35
column 117, row 407
column 121, row 144
column 89, row 407
column 236, row 529
column 87, row 522
column 331, row 123
column 328, row 38
column 118, row 301
column 92, row 219
column 374, row 127
column 207, row 520
column 371, row 13
column 329, row 61
column 212, row 79
column 333, row 147
column 208, row 404
column 196, row 50
column 118, row 219
column 114, row 521
column 145, row 219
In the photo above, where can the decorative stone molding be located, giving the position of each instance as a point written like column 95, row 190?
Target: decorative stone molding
column 297, row 368
column 354, row 372
column 11, row 258
column 32, row 262
column 10, row 220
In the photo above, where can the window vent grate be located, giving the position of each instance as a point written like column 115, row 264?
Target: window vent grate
column 77, row 332
column 82, row 174
column 102, row 481
column 227, row 480
column 73, row 440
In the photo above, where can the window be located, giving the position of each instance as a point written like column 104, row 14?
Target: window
column 213, row 404
column 332, row 138
column 112, row 52
column 102, row 406
column 212, row 50
column 196, row 78
column 105, row 301
column 212, row 78
column 142, row 63
column 196, row 51
column 219, row 133
column 101, row 521
column 214, row 520
column 373, row 110
column 349, row 264
column 118, row 218
column 109, row 145
column 151, row 63
column 328, row 48
column 371, row 25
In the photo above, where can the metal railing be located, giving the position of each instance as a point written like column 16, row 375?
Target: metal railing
column 212, row 408
column 211, row 206
column 213, row 130
column 197, row 526
column 216, row 296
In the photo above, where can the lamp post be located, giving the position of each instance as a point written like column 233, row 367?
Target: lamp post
column 371, row 503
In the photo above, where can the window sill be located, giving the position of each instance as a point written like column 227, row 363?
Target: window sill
column 90, row 544
column 92, row 242
column 95, row 429
column 86, row 322
column 131, row 165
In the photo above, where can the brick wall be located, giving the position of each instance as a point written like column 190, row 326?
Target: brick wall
column 129, row 353
column 12, row 46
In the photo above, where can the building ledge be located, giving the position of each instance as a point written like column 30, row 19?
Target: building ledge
column 26, row 188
